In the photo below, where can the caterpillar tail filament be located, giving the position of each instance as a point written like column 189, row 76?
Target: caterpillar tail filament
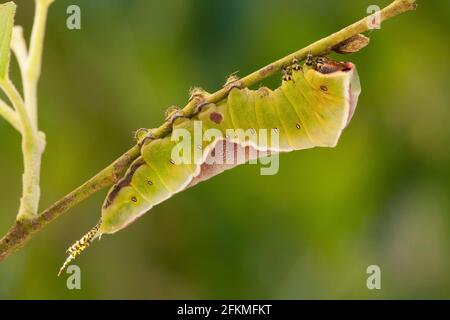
column 80, row 245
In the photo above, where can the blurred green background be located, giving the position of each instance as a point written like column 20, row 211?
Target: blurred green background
column 380, row 197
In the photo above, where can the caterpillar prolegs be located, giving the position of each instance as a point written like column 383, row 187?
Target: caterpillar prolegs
column 314, row 103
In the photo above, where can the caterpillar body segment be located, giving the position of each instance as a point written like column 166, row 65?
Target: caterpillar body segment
column 241, row 106
column 267, row 115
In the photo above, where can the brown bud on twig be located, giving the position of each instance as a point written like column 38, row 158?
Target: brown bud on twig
column 352, row 44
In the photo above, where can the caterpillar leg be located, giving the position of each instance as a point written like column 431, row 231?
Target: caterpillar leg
column 140, row 133
column 169, row 111
column 232, row 82
column 287, row 74
column 198, row 95
column 173, row 113
column 315, row 63
column 146, row 136
column 296, row 65
column 309, row 59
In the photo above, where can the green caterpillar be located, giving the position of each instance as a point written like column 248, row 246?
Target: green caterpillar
column 314, row 103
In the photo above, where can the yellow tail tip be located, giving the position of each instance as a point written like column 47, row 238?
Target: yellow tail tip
column 79, row 246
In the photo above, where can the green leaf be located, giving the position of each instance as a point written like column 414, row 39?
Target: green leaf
column 7, row 12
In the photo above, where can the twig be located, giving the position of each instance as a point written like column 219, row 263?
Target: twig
column 22, row 231
column 10, row 115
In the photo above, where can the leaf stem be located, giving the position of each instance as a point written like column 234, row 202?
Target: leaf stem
column 22, row 231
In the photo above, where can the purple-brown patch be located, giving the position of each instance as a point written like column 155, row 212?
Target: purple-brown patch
column 266, row 70
column 216, row 117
